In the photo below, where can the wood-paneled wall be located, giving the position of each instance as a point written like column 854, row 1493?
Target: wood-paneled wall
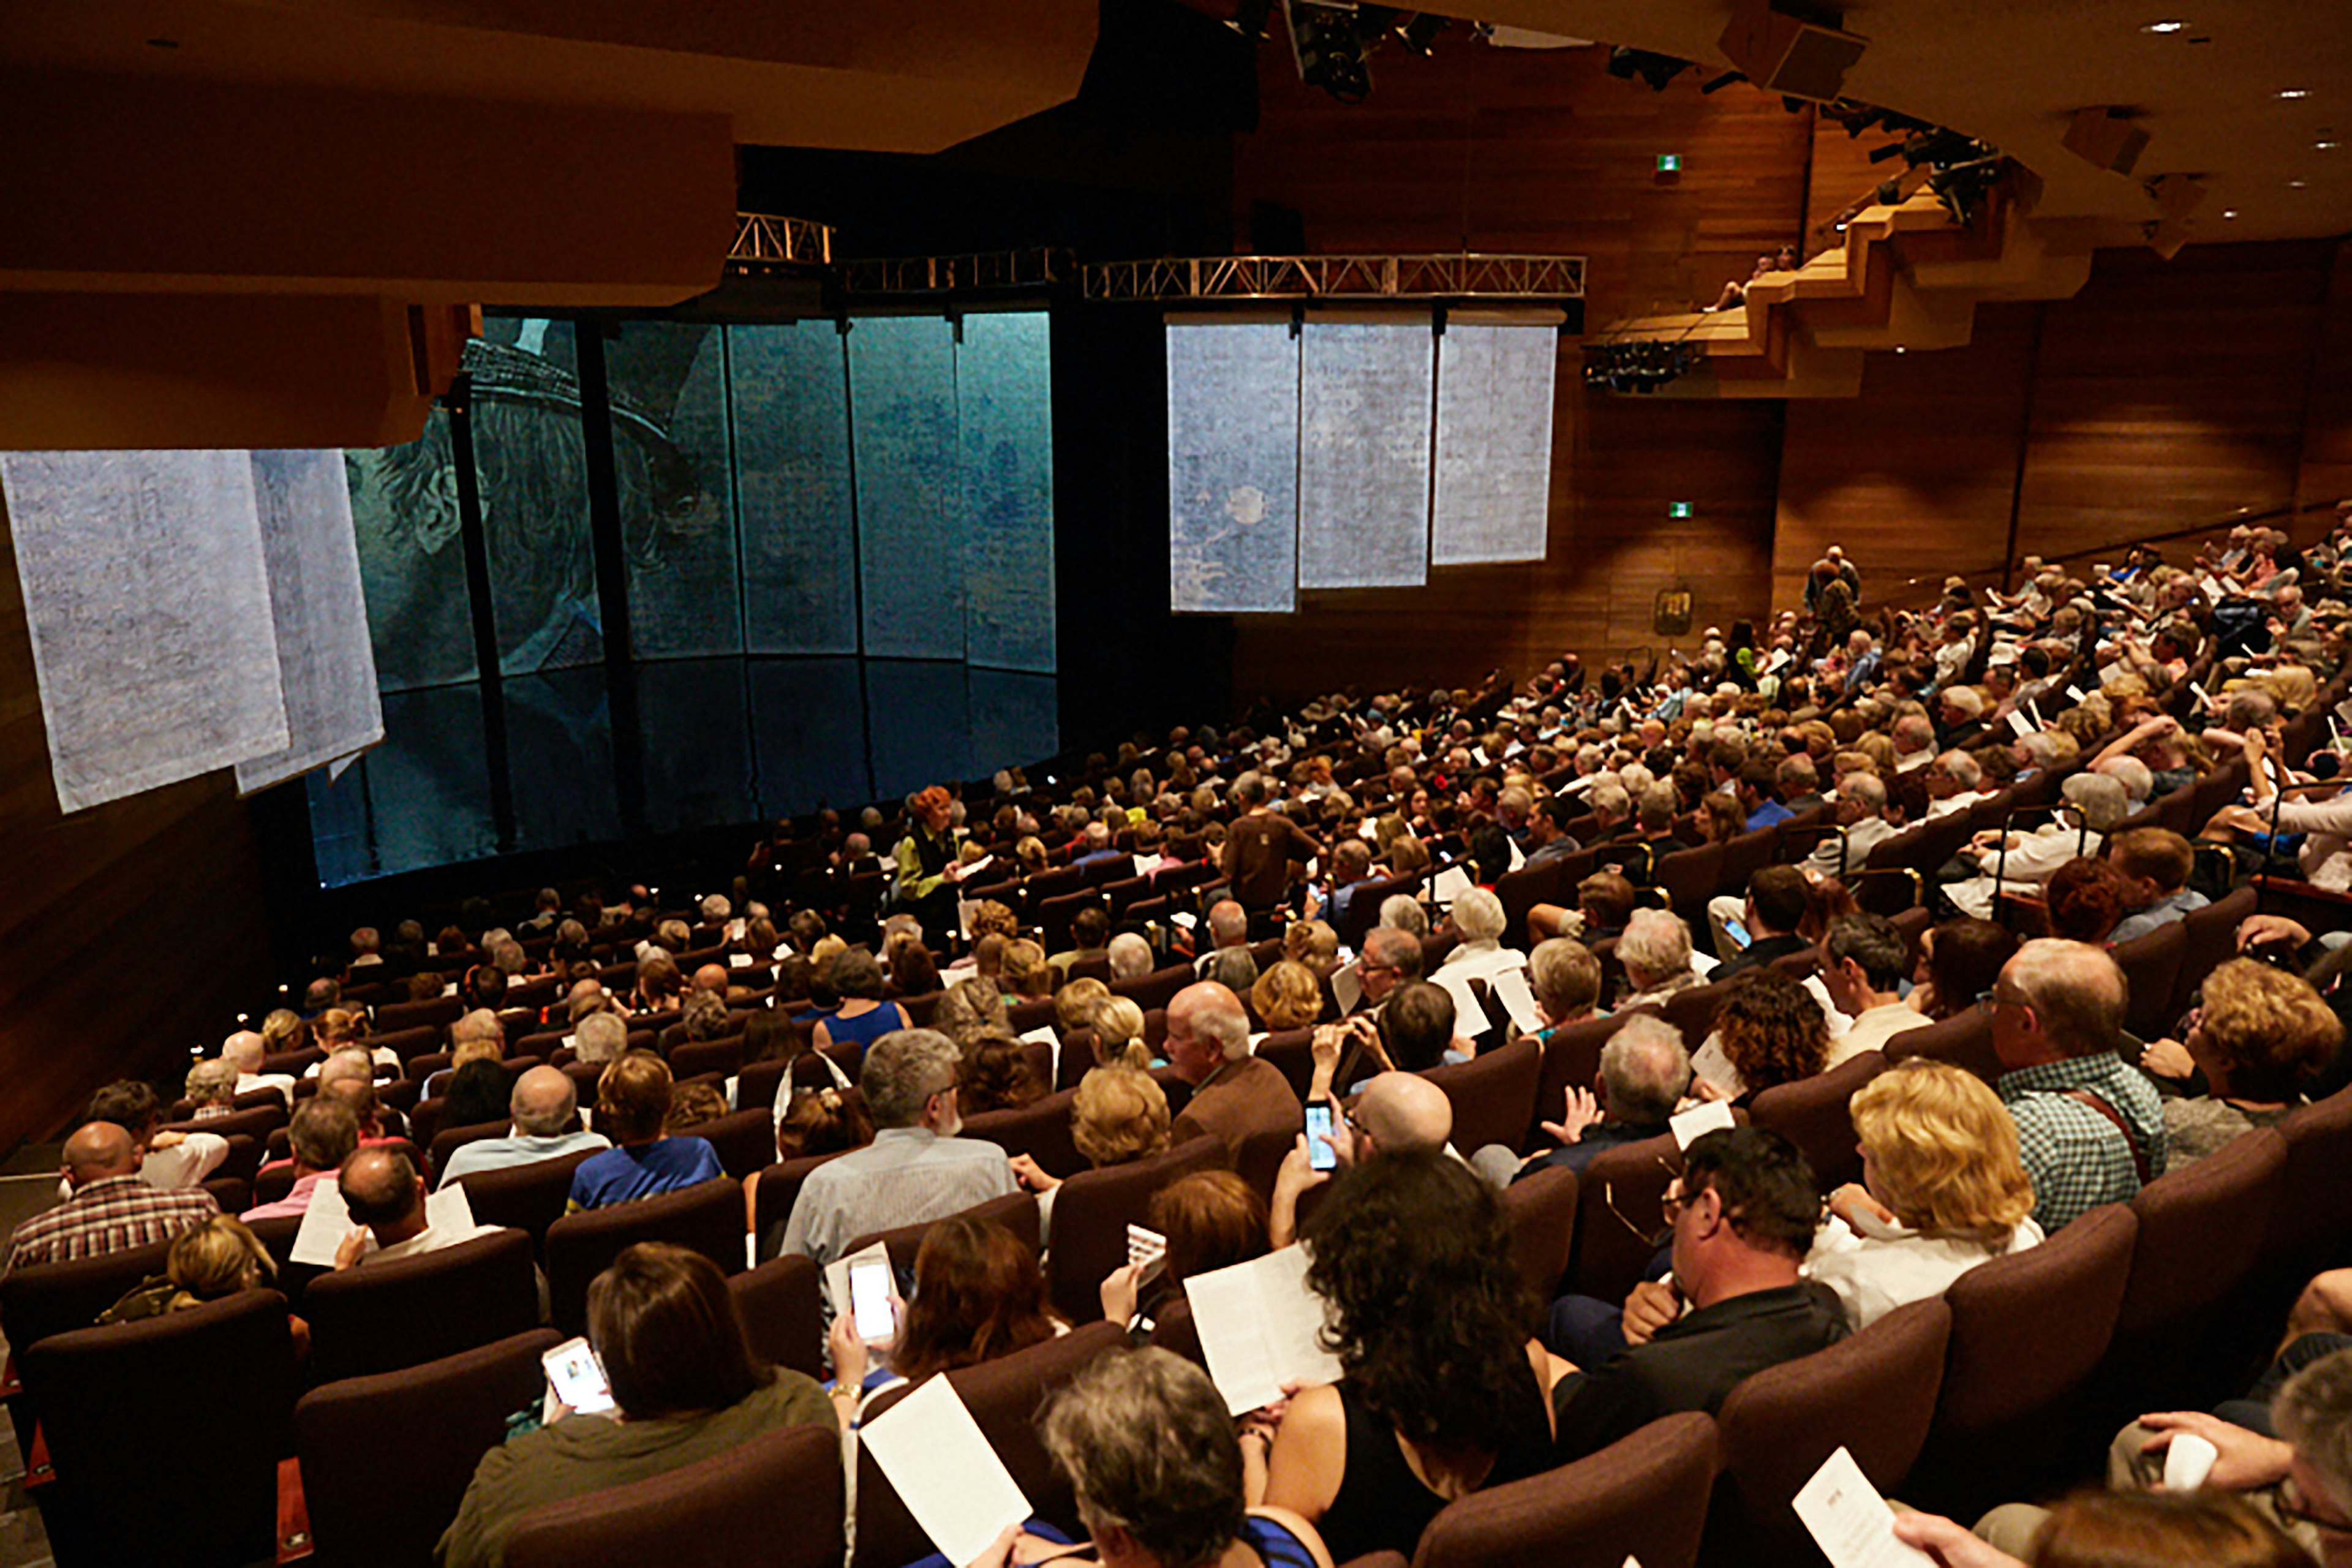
column 2165, row 396
column 128, row 932
column 1498, row 150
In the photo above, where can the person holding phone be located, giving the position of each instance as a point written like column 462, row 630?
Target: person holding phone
column 683, row 1386
column 979, row 1293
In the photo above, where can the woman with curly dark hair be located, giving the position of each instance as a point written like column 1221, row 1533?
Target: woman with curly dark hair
column 1769, row 1031
column 1442, row 1391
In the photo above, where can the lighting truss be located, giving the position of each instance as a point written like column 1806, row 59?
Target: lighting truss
column 1036, row 268
column 765, row 240
column 1420, row 277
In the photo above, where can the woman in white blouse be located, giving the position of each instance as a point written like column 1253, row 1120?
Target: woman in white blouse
column 1943, row 1189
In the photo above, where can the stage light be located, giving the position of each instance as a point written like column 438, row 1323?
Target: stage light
column 2294, row 92
column 1328, row 50
column 2167, row 27
column 2229, row 212
column 1249, row 19
column 1420, row 32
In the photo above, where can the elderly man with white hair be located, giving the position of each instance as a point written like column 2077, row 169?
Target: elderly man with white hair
column 1861, row 811
column 1656, row 953
column 1129, row 956
column 1233, row 1093
column 1954, row 783
column 543, row 1107
column 244, row 1050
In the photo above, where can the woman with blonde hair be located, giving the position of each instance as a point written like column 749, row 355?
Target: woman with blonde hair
column 1286, row 996
column 2261, row 1037
column 1117, row 1117
column 1943, row 1189
column 1118, row 1035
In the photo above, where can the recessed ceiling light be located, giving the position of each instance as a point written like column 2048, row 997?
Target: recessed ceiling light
column 2167, row 26
column 2229, row 212
column 2295, row 92
column 1900, row 349
column 2297, row 185
column 2325, row 146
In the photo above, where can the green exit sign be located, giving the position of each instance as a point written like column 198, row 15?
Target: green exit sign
column 1678, row 509
column 1670, row 163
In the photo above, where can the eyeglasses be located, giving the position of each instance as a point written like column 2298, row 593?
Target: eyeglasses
column 1671, row 1205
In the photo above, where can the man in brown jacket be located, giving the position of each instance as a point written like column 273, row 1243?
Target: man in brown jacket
column 1233, row 1093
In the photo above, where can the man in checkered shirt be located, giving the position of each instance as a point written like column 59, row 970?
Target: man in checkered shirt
column 112, row 1209
column 2091, row 1130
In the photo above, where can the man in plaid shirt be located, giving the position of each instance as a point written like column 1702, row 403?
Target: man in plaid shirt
column 2090, row 1128
column 112, row 1209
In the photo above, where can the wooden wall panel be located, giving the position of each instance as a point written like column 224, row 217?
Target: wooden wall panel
column 130, row 931
column 1498, row 150
column 2325, row 475
column 2171, row 394
column 1915, row 476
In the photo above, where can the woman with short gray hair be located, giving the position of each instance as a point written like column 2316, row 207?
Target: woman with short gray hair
column 2024, row 862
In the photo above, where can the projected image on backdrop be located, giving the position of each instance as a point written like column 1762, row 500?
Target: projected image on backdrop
column 1350, row 455
column 758, row 512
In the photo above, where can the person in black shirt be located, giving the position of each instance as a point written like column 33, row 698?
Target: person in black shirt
column 1778, row 898
column 1742, row 1214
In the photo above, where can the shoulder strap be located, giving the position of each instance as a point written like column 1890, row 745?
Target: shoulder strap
column 2139, row 1160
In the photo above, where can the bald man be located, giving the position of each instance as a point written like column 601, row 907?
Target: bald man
column 1394, row 1113
column 111, row 1210
column 544, row 1106
column 386, row 1199
column 1228, row 927
column 244, row 1050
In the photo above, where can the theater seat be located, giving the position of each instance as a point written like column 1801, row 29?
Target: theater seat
column 1812, row 1114
column 778, row 1189
column 1874, row 1395
column 1492, row 1094
column 414, row 1435
column 1004, row 1396
column 404, row 1311
column 1092, row 1211
column 1964, row 1039
column 2028, row 1331
column 1618, row 1210
column 745, row 1140
column 1643, row 1498
column 706, row 1217
column 1041, row 1131
column 121, row 1496
column 1018, row 1211
column 1571, row 1059
column 779, row 1304
column 1541, row 1213
column 727, row 1511
column 528, row 1197
column 2150, row 964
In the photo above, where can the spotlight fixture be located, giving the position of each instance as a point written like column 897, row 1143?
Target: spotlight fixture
column 2229, row 212
column 2293, row 92
column 1962, row 187
column 1328, row 50
column 2166, row 26
column 1654, row 68
column 1249, row 19
column 1420, row 31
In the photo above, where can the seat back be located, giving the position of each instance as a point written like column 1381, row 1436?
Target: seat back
column 706, row 1217
column 1687, row 878
column 1643, row 1498
column 1692, row 1009
column 778, row 1189
column 1812, row 1114
column 1492, row 1094
column 120, row 1496
column 1018, row 1211
column 1618, row 1212
column 2150, row 964
column 414, row 1435
column 780, row 1304
column 693, row 1058
column 745, row 1140
column 1004, row 1396
column 727, row 1505
column 2016, row 1365
column 1541, row 1213
column 44, row 1299
column 2301, row 1235
column 404, row 1311
column 1964, row 1039
column 448, row 1139
column 1873, row 1394
column 1155, row 989
column 528, row 1197
column 1092, row 1211
column 2208, row 938
column 1040, row 1130
column 1519, row 891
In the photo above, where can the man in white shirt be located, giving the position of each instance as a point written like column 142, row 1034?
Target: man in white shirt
column 245, row 1050
column 1861, row 810
column 1863, row 960
column 168, row 1162
column 1915, row 742
column 1953, row 784
column 543, row 1106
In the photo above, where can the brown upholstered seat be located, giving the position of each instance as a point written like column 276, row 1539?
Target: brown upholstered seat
column 706, row 1217
column 1492, row 1094
column 780, row 1304
column 726, row 1512
column 397, row 1312
column 1092, row 1211
column 1644, row 1496
column 1811, row 1113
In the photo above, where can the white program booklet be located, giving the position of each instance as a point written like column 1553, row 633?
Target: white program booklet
column 1712, row 1116
column 1850, row 1522
column 1260, row 1327
column 1518, row 999
column 1450, row 885
column 1470, row 1019
column 327, row 1220
column 1348, row 986
column 937, row 1457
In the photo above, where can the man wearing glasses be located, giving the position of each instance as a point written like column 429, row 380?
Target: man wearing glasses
column 2090, row 1128
column 1742, row 1215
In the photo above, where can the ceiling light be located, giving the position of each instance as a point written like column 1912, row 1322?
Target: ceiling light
column 2162, row 27
column 2229, row 212
column 2297, row 185
column 2295, row 92
column 2325, row 146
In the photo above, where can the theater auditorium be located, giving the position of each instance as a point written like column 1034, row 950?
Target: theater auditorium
column 1262, row 783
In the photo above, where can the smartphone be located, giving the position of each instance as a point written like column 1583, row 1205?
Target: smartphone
column 1320, row 1156
column 1737, row 933
column 869, row 1301
column 578, row 1377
